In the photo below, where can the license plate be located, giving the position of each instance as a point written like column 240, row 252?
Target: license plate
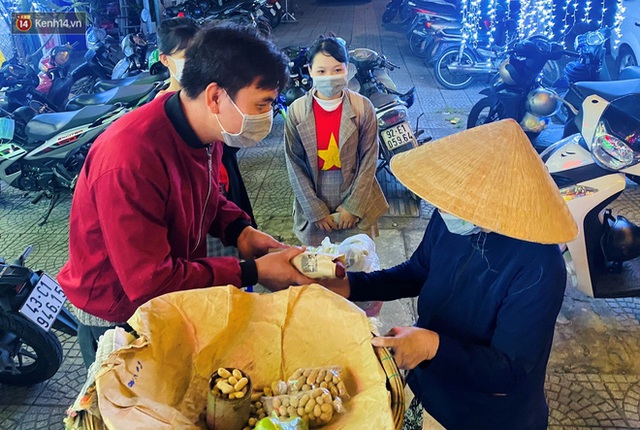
column 44, row 303
column 397, row 136
column 259, row 12
column 278, row 5
column 272, row 10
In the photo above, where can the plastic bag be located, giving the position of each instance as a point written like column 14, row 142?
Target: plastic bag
column 359, row 252
column 272, row 423
column 316, row 407
column 328, row 378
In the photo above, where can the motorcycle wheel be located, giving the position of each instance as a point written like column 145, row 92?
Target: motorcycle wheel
column 39, row 353
column 457, row 81
column 484, row 112
column 417, row 44
column 389, row 14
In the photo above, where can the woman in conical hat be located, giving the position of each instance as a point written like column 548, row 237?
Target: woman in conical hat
column 489, row 278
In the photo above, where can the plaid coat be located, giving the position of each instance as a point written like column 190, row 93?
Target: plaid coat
column 360, row 193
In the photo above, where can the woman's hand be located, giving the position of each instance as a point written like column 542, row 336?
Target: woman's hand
column 347, row 219
column 326, row 224
column 410, row 345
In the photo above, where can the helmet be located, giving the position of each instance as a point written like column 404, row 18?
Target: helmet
column 293, row 93
column 542, row 102
column 621, row 239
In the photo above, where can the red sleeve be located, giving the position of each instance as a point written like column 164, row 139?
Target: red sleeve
column 131, row 211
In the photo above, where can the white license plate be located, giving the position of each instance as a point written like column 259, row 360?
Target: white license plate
column 259, row 12
column 278, row 5
column 397, row 136
column 44, row 303
column 273, row 11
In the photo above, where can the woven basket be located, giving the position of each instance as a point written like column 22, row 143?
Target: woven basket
column 395, row 384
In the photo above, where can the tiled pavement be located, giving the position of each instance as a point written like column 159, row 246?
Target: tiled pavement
column 593, row 378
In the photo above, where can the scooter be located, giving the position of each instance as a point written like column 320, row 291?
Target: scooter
column 407, row 8
column 590, row 169
column 103, row 53
column 31, row 303
column 137, row 50
column 368, row 76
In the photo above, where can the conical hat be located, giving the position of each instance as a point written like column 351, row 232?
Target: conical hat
column 492, row 177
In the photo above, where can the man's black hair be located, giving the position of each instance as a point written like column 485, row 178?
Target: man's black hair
column 233, row 57
column 328, row 45
column 175, row 34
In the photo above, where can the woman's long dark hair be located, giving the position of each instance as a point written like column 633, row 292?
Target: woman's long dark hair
column 175, row 34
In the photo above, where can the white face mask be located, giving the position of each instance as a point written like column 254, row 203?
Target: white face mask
column 330, row 85
column 459, row 226
column 254, row 128
column 179, row 65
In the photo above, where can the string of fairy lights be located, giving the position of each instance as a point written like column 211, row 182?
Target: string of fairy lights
column 551, row 18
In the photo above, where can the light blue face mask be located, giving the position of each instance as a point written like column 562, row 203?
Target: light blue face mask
column 459, row 226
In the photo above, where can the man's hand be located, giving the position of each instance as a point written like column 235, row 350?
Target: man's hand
column 347, row 219
column 410, row 345
column 276, row 272
column 253, row 243
column 326, row 224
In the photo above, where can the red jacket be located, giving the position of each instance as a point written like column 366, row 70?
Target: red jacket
column 140, row 214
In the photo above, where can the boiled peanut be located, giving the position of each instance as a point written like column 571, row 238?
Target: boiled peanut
column 237, row 373
column 317, row 411
column 240, row 384
column 256, row 396
column 232, row 380
column 326, row 407
column 239, row 394
column 224, row 372
column 224, row 387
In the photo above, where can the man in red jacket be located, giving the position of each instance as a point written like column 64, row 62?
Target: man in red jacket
column 148, row 193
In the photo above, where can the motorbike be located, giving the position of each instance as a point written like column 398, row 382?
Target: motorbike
column 101, row 57
column 516, row 90
column 43, row 92
column 422, row 31
column 44, row 153
column 590, row 168
column 31, row 303
column 368, row 76
column 137, row 50
column 407, row 8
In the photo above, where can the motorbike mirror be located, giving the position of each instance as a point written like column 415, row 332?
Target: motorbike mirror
column 145, row 16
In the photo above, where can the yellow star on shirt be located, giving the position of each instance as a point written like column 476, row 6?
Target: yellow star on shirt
column 331, row 155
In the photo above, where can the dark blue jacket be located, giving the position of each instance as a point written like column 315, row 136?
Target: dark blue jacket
column 494, row 301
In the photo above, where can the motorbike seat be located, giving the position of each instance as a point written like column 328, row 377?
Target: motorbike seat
column 139, row 79
column 630, row 72
column 47, row 125
column 124, row 95
column 608, row 90
column 381, row 100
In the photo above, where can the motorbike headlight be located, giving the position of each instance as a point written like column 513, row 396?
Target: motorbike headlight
column 610, row 151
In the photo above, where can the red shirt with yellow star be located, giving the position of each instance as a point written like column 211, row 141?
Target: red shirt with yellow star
column 327, row 134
